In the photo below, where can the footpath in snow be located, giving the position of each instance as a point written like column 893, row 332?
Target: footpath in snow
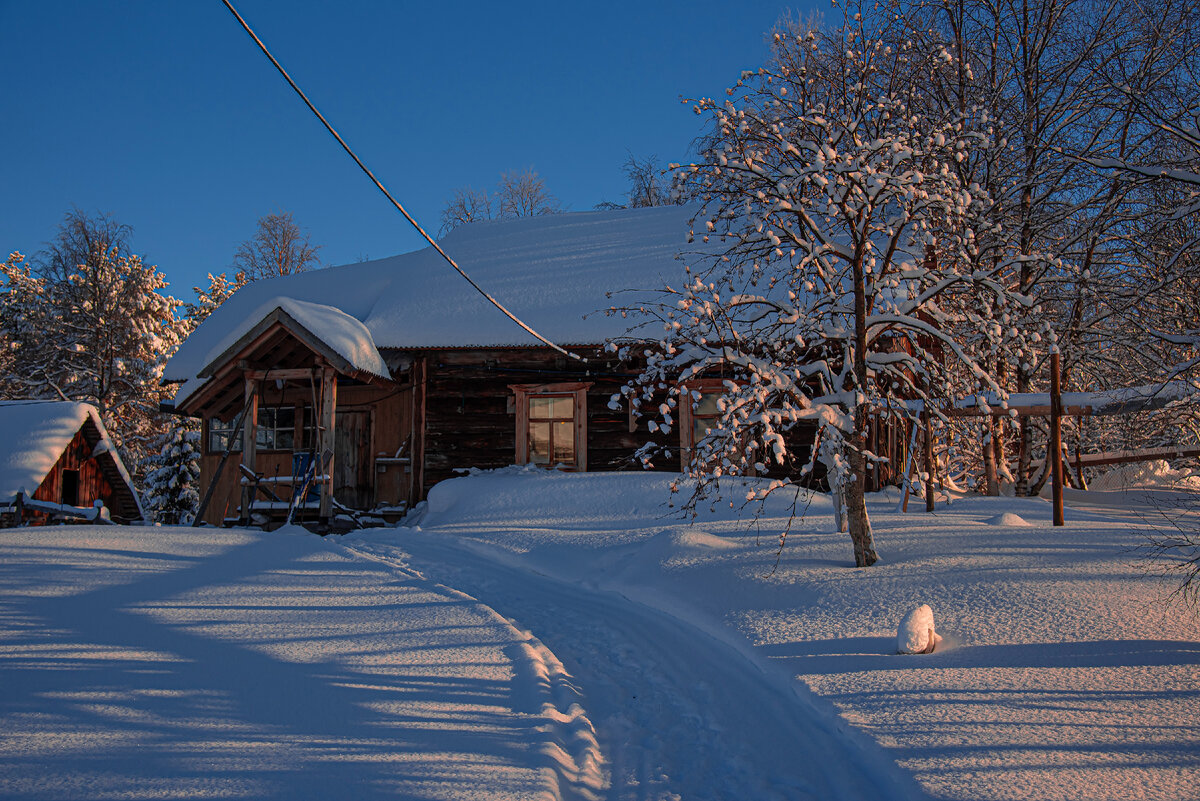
column 1065, row 673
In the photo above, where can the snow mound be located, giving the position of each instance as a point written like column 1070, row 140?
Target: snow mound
column 1007, row 519
column 702, row 539
column 1158, row 473
column 916, row 634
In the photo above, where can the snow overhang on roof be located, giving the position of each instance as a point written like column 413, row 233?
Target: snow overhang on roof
column 344, row 342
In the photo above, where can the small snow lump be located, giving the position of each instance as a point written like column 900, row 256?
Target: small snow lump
column 915, row 634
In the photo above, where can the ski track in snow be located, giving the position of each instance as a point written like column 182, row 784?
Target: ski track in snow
column 675, row 721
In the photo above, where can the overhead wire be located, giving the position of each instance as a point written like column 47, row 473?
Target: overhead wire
column 528, row 329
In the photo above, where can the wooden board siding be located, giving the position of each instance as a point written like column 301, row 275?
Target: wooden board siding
column 93, row 484
column 471, row 420
column 392, row 419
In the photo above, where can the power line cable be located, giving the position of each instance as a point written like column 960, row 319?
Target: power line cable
column 388, row 194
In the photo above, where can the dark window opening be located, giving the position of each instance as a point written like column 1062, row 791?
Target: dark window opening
column 70, row 487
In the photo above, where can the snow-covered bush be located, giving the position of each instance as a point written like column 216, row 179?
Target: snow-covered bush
column 173, row 477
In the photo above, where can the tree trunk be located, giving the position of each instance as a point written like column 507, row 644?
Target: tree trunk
column 990, row 477
column 856, row 511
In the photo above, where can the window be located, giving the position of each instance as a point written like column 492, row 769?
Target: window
column 699, row 413
column 219, row 434
column 552, row 424
column 276, row 431
column 551, row 429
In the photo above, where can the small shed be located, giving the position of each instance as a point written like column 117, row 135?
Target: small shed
column 56, row 462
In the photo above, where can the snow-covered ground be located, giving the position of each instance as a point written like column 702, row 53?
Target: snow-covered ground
column 613, row 652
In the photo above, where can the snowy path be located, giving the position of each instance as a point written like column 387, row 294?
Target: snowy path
column 679, row 715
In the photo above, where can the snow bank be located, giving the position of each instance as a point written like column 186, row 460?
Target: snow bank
column 1158, row 473
column 916, row 634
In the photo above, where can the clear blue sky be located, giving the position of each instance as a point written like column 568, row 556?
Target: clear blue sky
column 166, row 115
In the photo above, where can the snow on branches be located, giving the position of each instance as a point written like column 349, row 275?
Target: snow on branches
column 847, row 272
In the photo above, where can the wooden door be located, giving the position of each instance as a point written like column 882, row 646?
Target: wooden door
column 353, row 476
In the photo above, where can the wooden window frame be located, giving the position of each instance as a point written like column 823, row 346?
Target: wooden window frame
column 688, row 417
column 227, row 429
column 577, row 391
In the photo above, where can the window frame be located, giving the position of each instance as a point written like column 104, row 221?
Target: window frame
column 577, row 392
column 215, row 427
column 688, row 417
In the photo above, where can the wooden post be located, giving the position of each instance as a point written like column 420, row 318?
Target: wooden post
column 249, row 445
column 925, row 419
column 420, row 370
column 1054, row 451
column 328, row 412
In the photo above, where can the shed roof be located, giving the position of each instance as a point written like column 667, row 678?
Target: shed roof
column 34, row 434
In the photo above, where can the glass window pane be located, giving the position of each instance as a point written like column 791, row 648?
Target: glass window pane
column 539, row 406
column 562, row 408
column 698, row 430
column 539, row 443
column 285, row 439
column 707, row 405
column 564, row 442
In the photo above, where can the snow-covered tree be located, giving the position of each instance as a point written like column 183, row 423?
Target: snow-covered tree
column 846, row 259
column 101, row 333
column 173, row 476
column 220, row 288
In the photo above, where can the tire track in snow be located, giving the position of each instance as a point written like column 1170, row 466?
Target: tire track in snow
column 679, row 715
column 570, row 755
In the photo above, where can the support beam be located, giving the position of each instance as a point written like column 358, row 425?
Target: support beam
column 249, row 445
column 420, row 371
column 328, row 413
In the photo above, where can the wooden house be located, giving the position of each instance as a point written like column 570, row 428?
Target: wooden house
column 57, row 462
column 367, row 384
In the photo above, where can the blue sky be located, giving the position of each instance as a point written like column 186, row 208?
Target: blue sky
column 166, row 115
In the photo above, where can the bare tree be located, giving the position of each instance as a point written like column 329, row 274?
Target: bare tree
column 845, row 254
column 520, row 193
column 467, row 206
column 646, row 186
column 523, row 194
column 82, row 240
column 279, row 247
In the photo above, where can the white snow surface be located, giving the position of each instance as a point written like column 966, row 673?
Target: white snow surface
column 33, row 434
column 552, row 271
column 596, row 647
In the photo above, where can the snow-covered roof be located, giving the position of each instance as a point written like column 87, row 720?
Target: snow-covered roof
column 554, row 272
column 343, row 334
column 34, row 434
